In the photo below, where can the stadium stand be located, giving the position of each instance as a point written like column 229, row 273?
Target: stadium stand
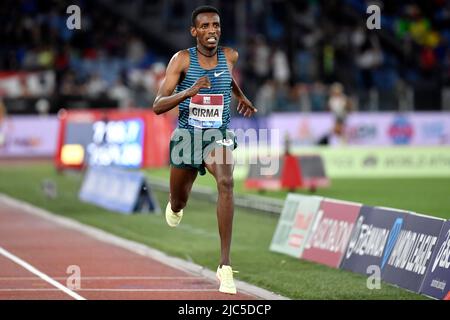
column 291, row 53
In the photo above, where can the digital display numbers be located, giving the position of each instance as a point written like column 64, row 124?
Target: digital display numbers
column 116, row 143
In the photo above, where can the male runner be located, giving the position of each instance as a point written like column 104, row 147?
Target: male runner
column 202, row 80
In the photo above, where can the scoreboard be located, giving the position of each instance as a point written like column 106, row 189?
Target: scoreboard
column 126, row 139
column 117, row 143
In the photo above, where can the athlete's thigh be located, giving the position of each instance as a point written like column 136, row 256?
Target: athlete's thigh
column 220, row 163
column 181, row 180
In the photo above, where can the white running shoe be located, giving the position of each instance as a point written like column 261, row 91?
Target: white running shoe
column 225, row 276
column 173, row 218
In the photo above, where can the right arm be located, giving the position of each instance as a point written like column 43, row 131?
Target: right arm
column 165, row 99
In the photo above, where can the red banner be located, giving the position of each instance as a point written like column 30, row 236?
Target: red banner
column 107, row 132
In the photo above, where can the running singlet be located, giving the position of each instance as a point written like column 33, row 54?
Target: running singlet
column 210, row 108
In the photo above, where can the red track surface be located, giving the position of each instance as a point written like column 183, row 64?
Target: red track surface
column 107, row 271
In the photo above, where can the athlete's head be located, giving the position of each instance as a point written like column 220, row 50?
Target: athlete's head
column 206, row 26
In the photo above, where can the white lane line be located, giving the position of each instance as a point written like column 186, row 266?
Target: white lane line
column 135, row 247
column 105, row 278
column 113, row 290
column 38, row 273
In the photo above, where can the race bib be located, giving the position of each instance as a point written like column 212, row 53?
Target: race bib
column 205, row 111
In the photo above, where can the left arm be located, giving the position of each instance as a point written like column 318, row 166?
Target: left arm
column 244, row 105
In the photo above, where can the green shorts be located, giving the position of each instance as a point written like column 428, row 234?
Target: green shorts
column 189, row 148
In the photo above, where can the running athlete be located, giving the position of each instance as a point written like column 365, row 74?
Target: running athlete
column 199, row 81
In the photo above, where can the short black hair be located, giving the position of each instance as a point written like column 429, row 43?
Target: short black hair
column 202, row 9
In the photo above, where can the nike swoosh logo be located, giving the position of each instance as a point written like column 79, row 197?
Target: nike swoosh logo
column 225, row 142
column 218, row 74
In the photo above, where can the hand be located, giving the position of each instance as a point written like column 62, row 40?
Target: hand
column 201, row 83
column 246, row 107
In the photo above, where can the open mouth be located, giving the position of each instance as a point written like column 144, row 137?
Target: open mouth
column 212, row 40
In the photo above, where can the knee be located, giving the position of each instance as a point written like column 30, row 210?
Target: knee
column 177, row 204
column 225, row 184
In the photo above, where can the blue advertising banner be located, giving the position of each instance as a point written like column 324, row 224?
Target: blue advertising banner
column 373, row 238
column 117, row 190
column 411, row 255
column 436, row 283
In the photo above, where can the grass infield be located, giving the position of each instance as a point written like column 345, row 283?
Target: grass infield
column 197, row 240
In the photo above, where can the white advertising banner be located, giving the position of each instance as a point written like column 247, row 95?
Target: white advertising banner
column 365, row 128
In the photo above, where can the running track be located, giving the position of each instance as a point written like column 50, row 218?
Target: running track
column 35, row 253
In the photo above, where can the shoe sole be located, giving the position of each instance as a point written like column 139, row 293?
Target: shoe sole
column 172, row 225
column 226, row 292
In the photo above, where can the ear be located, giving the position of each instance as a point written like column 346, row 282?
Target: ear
column 194, row 32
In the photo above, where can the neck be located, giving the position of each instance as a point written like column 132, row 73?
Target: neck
column 206, row 52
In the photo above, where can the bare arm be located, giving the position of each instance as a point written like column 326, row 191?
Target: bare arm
column 232, row 58
column 236, row 89
column 244, row 105
column 165, row 99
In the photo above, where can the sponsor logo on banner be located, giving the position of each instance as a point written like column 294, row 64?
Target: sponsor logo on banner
column 361, row 133
column 433, row 130
column 411, row 255
column 373, row 238
column 366, row 128
column 295, row 223
column 383, row 162
column 393, row 235
column 401, row 130
column 331, row 232
column 28, row 136
column 437, row 280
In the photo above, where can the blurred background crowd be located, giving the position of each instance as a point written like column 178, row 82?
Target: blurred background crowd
column 294, row 55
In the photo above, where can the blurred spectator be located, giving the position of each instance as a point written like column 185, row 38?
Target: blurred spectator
column 68, row 84
column 318, row 97
column 121, row 93
column 428, row 59
column 2, row 123
column 45, row 57
column 136, row 50
column 265, row 98
column 340, row 105
column 43, row 107
column 24, row 89
column 96, row 86
column 325, row 43
column 260, row 61
column 301, row 97
column 369, row 58
column 281, row 72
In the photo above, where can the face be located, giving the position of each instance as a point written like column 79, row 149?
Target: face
column 207, row 29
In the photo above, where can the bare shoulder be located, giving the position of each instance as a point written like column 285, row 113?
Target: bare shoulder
column 231, row 54
column 180, row 60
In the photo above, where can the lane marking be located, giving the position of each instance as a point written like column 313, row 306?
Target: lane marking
column 38, row 273
column 112, row 290
column 106, row 278
column 133, row 246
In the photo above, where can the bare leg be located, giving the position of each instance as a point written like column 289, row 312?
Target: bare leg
column 181, row 181
column 223, row 173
